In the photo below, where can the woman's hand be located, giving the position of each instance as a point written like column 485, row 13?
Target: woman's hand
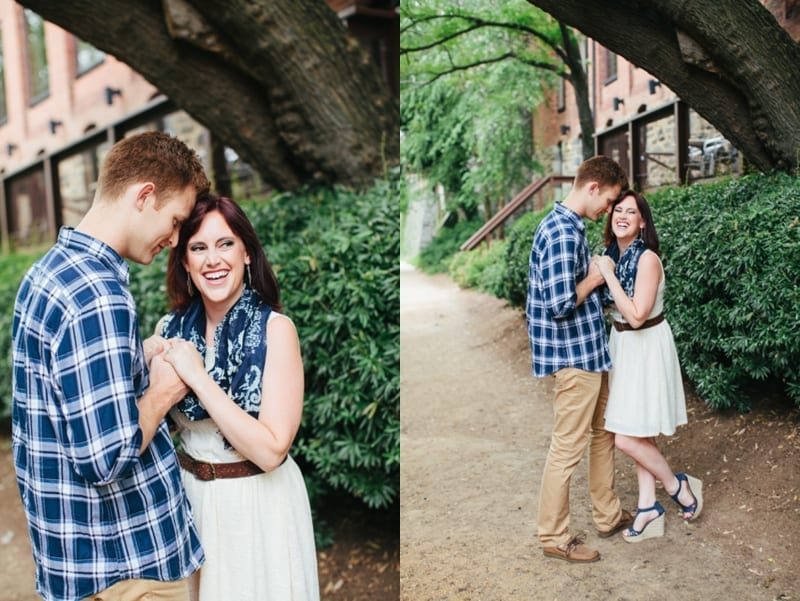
column 183, row 356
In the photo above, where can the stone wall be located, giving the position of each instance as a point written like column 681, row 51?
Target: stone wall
column 421, row 217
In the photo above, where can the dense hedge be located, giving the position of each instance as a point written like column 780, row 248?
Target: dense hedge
column 483, row 268
column 12, row 270
column 733, row 292
column 520, row 239
column 731, row 254
column 336, row 256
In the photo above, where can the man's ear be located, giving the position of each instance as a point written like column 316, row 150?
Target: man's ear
column 144, row 191
column 592, row 187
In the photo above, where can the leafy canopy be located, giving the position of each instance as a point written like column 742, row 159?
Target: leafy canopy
column 467, row 92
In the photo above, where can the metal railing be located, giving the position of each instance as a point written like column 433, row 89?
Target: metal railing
column 510, row 208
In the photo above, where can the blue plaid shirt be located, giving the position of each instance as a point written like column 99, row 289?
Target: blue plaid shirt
column 561, row 334
column 97, row 511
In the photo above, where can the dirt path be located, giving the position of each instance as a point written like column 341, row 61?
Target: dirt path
column 475, row 430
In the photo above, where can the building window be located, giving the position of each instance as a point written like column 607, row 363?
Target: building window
column 562, row 94
column 3, row 105
column 611, row 66
column 86, row 57
column 27, row 210
column 77, row 181
column 38, row 77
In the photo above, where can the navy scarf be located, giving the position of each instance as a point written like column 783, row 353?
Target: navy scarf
column 626, row 268
column 239, row 355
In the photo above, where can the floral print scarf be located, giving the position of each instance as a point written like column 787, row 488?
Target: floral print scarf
column 627, row 267
column 239, row 355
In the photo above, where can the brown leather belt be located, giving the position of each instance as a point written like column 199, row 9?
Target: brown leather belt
column 621, row 326
column 213, row 471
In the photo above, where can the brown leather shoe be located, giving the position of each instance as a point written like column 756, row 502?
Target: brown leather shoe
column 574, row 551
column 625, row 521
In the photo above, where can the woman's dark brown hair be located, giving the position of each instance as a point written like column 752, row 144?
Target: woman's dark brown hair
column 263, row 282
column 648, row 235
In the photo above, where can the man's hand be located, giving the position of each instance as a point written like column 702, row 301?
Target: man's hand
column 166, row 389
column 606, row 266
column 152, row 346
column 165, row 383
column 593, row 277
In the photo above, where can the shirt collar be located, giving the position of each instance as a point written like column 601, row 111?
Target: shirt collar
column 78, row 241
column 571, row 215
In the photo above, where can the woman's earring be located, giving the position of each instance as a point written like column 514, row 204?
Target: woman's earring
column 249, row 276
column 189, row 288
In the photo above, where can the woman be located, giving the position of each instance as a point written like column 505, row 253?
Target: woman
column 241, row 359
column 645, row 387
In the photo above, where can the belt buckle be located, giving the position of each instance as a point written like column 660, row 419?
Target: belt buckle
column 213, row 471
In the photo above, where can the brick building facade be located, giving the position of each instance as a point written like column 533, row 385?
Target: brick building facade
column 63, row 103
column 640, row 122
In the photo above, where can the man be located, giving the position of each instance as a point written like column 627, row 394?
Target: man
column 98, row 474
column 568, row 341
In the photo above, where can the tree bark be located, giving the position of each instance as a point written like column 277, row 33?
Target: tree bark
column 279, row 81
column 728, row 59
column 580, row 86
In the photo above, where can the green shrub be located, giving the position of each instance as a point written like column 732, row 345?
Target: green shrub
column 480, row 268
column 491, row 277
column 732, row 255
column 12, row 270
column 149, row 290
column 436, row 256
column 594, row 235
column 514, row 283
column 336, row 257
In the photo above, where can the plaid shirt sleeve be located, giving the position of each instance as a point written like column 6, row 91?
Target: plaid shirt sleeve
column 92, row 365
column 556, row 255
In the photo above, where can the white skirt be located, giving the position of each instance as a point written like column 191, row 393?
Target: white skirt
column 645, row 395
column 256, row 531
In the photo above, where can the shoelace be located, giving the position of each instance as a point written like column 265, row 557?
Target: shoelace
column 571, row 545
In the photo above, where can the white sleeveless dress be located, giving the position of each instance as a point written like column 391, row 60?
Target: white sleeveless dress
column 645, row 396
column 256, row 531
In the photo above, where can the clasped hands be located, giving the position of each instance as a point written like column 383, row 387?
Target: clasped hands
column 173, row 355
column 604, row 265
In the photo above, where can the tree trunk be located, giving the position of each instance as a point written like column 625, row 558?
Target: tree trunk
column 728, row 59
column 279, row 81
column 580, row 86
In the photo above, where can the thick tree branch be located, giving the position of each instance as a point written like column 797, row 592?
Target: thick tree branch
column 752, row 99
column 281, row 83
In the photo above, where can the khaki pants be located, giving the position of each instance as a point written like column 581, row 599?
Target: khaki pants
column 579, row 409
column 144, row 590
